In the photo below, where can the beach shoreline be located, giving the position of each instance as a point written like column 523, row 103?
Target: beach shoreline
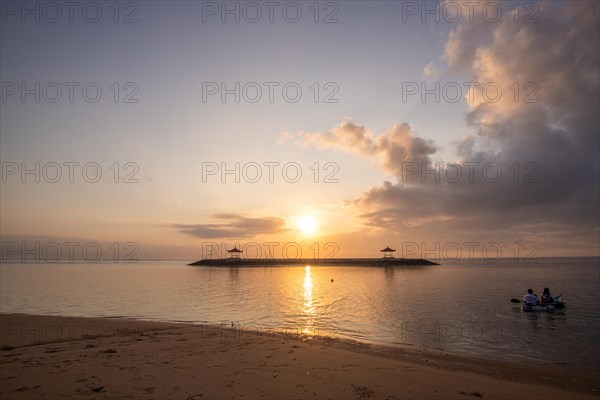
column 76, row 357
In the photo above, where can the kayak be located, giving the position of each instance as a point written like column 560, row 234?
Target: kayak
column 558, row 303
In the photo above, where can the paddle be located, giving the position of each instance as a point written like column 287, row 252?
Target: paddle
column 515, row 300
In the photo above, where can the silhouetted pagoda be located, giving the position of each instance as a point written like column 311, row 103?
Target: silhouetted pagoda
column 235, row 252
column 388, row 253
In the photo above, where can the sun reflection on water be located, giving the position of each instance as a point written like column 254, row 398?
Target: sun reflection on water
column 309, row 308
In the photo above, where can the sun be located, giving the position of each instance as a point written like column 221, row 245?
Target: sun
column 307, row 224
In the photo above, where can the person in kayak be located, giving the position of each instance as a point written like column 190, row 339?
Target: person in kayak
column 530, row 298
column 547, row 297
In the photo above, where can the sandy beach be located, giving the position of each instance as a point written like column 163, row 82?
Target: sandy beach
column 107, row 358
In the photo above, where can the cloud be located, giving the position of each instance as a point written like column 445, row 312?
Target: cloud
column 233, row 226
column 430, row 71
column 397, row 146
column 553, row 139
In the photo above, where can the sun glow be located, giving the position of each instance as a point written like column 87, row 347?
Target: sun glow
column 307, row 224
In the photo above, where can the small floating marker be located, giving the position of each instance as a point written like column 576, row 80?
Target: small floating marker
column 332, row 280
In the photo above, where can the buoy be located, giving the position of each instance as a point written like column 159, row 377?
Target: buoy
column 332, row 280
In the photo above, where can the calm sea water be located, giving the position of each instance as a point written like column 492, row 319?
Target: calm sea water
column 460, row 307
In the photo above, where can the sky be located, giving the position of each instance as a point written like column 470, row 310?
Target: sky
column 179, row 129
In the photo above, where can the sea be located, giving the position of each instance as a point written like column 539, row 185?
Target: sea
column 463, row 307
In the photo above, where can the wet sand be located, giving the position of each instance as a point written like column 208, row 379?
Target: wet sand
column 107, row 358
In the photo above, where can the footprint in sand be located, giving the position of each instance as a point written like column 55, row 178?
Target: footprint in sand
column 24, row 388
column 363, row 392
column 52, row 350
column 475, row 394
column 146, row 390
